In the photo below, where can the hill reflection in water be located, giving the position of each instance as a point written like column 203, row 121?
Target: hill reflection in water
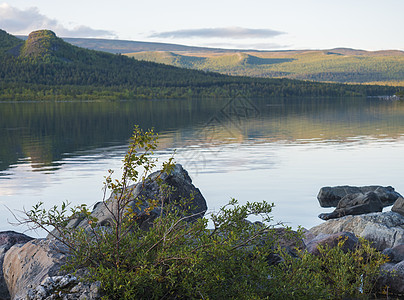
column 280, row 150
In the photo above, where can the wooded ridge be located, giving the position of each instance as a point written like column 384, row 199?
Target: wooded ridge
column 44, row 67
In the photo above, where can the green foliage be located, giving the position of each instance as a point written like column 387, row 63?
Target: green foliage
column 176, row 258
column 334, row 274
column 7, row 42
column 179, row 257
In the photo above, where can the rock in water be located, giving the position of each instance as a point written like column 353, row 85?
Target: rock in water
column 181, row 189
column 330, row 196
column 355, row 204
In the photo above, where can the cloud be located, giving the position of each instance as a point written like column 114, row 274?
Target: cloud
column 85, row 31
column 18, row 21
column 227, row 32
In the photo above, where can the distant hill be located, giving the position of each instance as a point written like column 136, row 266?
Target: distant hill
column 7, row 41
column 47, row 67
column 335, row 65
column 342, row 65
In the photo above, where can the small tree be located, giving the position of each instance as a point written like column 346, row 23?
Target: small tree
column 175, row 258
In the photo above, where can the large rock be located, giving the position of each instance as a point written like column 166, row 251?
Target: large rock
column 398, row 206
column 27, row 265
column 181, row 188
column 331, row 240
column 7, row 240
column 392, row 276
column 395, row 254
column 384, row 230
column 355, row 204
column 330, row 196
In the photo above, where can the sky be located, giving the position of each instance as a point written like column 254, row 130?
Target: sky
column 253, row 24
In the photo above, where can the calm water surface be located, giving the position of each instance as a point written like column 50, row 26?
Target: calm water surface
column 279, row 150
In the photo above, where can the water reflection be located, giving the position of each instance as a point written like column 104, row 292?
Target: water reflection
column 48, row 132
column 281, row 150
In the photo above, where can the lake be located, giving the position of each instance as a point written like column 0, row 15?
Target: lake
column 278, row 150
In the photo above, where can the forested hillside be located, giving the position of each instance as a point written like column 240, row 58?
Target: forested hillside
column 46, row 67
column 337, row 65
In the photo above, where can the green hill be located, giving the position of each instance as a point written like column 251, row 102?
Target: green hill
column 336, row 65
column 7, row 41
column 46, row 67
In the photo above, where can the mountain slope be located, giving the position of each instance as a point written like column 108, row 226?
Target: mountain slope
column 50, row 60
column 7, row 41
column 46, row 67
column 336, row 65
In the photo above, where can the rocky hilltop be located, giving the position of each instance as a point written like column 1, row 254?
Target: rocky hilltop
column 41, row 43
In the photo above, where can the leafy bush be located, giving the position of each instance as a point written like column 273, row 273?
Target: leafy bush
column 175, row 258
column 179, row 257
column 334, row 274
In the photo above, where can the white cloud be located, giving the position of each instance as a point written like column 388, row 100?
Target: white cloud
column 19, row 21
column 226, row 32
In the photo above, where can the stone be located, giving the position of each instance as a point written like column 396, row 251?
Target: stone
column 67, row 287
column 392, row 275
column 398, row 206
column 355, row 204
column 182, row 188
column 395, row 254
column 331, row 241
column 384, row 229
column 330, row 196
column 288, row 241
column 27, row 265
column 7, row 240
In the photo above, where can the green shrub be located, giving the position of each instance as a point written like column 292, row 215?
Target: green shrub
column 175, row 258
column 334, row 274
column 181, row 258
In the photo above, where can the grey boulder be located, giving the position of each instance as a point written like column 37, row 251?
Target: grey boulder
column 330, row 196
column 331, row 241
column 395, row 254
column 392, row 276
column 355, row 204
column 398, row 206
column 178, row 181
